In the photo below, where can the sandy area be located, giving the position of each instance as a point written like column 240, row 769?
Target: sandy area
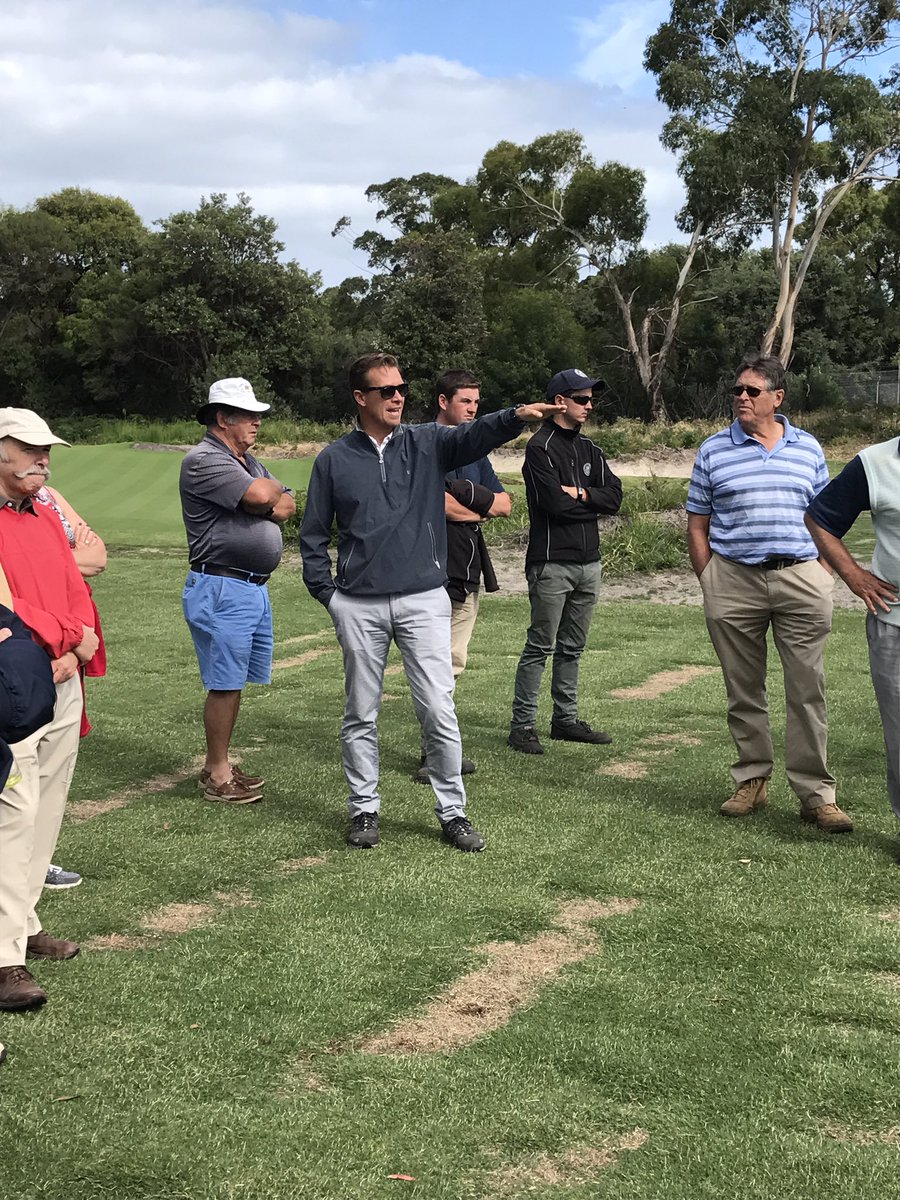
column 670, row 464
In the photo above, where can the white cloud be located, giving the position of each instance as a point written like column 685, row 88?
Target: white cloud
column 166, row 103
column 613, row 42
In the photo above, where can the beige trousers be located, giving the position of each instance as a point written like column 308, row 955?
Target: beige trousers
column 462, row 623
column 740, row 604
column 31, row 812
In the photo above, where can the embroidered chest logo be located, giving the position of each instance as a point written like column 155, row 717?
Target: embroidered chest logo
column 586, row 468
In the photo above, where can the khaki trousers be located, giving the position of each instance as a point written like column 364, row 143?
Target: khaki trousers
column 740, row 604
column 462, row 625
column 31, row 812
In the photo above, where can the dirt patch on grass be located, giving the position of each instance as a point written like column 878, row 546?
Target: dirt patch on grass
column 85, row 810
column 303, row 638
column 577, row 1165
column 672, row 739
column 890, row 914
column 863, row 1137
column 177, row 918
column 663, row 682
column 290, row 865
column 393, row 669
column 633, row 769
column 486, row 999
column 300, row 660
column 888, row 979
column 118, row 942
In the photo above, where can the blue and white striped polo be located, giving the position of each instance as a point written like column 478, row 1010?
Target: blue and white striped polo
column 755, row 498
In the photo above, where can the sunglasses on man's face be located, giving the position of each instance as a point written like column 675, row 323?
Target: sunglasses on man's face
column 752, row 392
column 387, row 392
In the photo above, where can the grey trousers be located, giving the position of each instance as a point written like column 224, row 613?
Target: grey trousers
column 420, row 625
column 563, row 598
column 884, row 662
column 740, row 604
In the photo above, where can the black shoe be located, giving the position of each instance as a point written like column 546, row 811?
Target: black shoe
column 422, row 776
column 363, row 833
column 525, row 740
column 579, row 731
column 459, row 833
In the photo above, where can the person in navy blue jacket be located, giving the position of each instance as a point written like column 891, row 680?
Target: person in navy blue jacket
column 383, row 484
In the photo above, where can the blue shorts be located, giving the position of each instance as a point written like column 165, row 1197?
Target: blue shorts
column 231, row 624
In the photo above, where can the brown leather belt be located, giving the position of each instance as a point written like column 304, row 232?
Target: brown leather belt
column 228, row 573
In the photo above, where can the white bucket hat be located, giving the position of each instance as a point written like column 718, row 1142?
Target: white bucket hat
column 233, row 393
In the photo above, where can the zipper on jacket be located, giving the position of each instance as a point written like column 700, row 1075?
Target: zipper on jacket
column 434, row 557
column 346, row 564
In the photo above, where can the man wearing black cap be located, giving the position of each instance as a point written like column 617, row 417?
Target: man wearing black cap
column 233, row 509
column 568, row 484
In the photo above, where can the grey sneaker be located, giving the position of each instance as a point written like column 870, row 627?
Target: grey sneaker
column 460, row 833
column 58, row 879
column 363, row 832
column 525, row 740
column 422, row 776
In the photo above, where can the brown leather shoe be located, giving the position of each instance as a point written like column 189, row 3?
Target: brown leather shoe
column 42, row 945
column 18, row 989
column 232, row 792
column 828, row 817
column 253, row 782
column 750, row 795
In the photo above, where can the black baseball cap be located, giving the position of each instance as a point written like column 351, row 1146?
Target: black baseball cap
column 571, row 380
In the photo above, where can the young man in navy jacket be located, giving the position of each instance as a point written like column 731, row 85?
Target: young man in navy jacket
column 383, row 484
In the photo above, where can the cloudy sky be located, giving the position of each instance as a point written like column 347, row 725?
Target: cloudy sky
column 304, row 103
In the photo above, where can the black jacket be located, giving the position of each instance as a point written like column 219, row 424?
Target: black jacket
column 467, row 555
column 563, row 529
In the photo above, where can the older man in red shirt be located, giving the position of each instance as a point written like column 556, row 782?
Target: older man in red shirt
column 49, row 595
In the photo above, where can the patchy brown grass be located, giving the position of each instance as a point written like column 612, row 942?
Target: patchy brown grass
column 486, row 999
column 303, row 638
column 662, row 682
column 888, row 979
column 630, row 769
column 890, row 914
column 299, row 864
column 177, row 918
column 577, row 1165
column 300, row 660
column 119, row 941
column 393, row 669
column 86, row 810
column 672, row 739
column 863, row 1137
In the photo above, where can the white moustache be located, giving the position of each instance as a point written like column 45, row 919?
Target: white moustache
column 42, row 471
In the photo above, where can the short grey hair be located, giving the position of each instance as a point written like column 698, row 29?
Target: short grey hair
column 4, row 456
column 767, row 365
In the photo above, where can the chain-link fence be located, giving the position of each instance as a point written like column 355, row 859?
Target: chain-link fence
column 875, row 388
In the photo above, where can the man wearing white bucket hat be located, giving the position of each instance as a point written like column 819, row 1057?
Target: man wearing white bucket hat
column 233, row 509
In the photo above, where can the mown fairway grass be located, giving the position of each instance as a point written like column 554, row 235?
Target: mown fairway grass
column 740, row 1016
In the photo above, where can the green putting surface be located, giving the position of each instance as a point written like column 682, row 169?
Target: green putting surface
column 131, row 496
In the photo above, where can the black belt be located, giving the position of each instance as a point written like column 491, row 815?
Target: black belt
column 775, row 564
column 228, row 572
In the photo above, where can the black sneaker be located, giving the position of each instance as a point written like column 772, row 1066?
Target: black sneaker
column 422, row 776
column 525, row 740
column 579, row 731
column 459, row 833
column 363, row 834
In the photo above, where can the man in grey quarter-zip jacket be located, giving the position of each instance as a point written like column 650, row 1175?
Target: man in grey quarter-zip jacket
column 568, row 484
column 383, row 484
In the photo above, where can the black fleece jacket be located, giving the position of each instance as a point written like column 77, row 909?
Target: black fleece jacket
column 563, row 529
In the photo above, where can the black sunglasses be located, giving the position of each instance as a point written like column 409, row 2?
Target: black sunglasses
column 752, row 392
column 387, row 392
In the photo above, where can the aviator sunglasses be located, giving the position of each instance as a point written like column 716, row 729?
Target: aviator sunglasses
column 387, row 392
column 752, row 392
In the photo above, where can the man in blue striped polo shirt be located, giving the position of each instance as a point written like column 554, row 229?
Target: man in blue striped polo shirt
column 758, row 566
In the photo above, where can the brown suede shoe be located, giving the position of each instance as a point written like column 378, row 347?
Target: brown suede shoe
column 42, row 945
column 253, row 782
column 18, row 989
column 828, row 817
column 750, row 795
